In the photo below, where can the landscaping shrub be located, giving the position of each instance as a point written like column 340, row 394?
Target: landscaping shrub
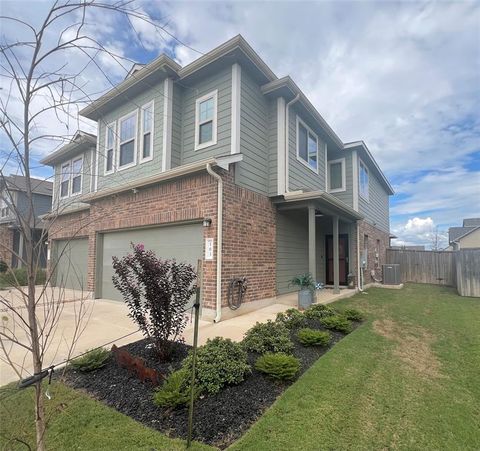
column 291, row 318
column 319, row 311
column 312, row 337
column 157, row 293
column 18, row 277
column 352, row 314
column 175, row 391
column 219, row 362
column 278, row 365
column 337, row 322
column 3, row 266
column 92, row 360
column 268, row 337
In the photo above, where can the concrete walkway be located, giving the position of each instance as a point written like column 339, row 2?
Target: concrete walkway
column 106, row 321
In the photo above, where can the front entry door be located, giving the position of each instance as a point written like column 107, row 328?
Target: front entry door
column 343, row 258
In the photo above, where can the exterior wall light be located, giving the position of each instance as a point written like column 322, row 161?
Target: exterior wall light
column 207, row 222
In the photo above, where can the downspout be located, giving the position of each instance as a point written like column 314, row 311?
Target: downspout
column 359, row 269
column 218, row 290
column 287, row 147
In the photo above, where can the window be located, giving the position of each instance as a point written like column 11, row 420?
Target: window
column 109, row 147
column 336, row 175
column 363, row 180
column 206, row 121
column 65, row 180
column 147, row 132
column 307, row 146
column 77, row 167
column 128, row 131
column 3, row 208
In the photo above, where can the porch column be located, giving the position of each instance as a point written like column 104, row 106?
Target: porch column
column 312, row 264
column 21, row 245
column 336, row 261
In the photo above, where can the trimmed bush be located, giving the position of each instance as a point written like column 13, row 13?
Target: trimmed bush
column 319, row 311
column 312, row 337
column 337, row 322
column 291, row 318
column 352, row 314
column 18, row 277
column 3, row 266
column 278, row 365
column 175, row 391
column 91, row 361
column 268, row 337
column 220, row 362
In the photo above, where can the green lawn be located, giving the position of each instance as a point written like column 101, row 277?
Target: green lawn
column 407, row 379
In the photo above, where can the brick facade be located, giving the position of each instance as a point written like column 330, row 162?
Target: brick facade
column 6, row 243
column 377, row 244
column 248, row 231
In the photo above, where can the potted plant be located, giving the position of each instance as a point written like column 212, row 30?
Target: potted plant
column 307, row 285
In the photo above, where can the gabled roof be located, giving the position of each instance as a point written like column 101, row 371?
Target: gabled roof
column 80, row 141
column 19, row 183
column 468, row 232
column 471, row 222
column 383, row 179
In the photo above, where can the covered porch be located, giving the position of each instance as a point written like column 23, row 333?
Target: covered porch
column 316, row 233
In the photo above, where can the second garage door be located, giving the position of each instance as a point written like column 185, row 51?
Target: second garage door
column 184, row 243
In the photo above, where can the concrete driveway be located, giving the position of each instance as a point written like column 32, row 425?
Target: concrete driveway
column 105, row 321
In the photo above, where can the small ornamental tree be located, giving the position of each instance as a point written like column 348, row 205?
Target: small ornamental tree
column 157, row 293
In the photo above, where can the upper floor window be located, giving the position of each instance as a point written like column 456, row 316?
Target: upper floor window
column 109, row 147
column 77, row 167
column 128, row 133
column 147, row 132
column 206, row 121
column 363, row 180
column 307, row 146
column 336, row 175
column 65, row 180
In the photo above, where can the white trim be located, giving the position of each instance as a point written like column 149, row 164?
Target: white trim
column 210, row 95
column 236, row 105
column 343, row 187
column 281, row 145
column 97, row 157
column 299, row 158
column 81, row 176
column 68, row 163
column 367, row 197
column 355, row 180
column 142, row 109
column 167, row 124
column 135, row 140
column 105, row 172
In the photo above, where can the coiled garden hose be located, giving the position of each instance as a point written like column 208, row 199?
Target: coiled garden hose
column 236, row 292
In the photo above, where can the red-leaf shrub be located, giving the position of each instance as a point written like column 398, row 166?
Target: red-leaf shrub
column 157, row 293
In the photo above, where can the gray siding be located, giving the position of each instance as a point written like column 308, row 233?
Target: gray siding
column 140, row 170
column 292, row 248
column 177, row 125
column 347, row 195
column 221, row 81
column 252, row 172
column 41, row 204
column 301, row 176
column 272, row 149
column 376, row 209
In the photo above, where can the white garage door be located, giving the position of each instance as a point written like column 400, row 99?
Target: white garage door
column 183, row 242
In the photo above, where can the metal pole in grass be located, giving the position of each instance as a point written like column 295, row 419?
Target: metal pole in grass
column 194, row 352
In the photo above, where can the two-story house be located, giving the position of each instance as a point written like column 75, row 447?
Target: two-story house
column 219, row 161
column 15, row 206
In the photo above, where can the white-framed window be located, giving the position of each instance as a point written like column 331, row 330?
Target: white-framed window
column 77, row 170
column 363, row 177
column 336, row 175
column 3, row 208
column 206, row 121
column 127, row 142
column 65, row 180
column 110, row 133
column 307, row 146
column 146, row 132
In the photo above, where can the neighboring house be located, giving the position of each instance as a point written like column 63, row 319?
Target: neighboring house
column 223, row 162
column 14, row 203
column 465, row 237
column 409, row 248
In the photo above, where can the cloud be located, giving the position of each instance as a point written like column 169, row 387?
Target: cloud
column 420, row 231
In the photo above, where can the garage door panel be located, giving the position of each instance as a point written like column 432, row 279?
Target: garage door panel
column 71, row 258
column 183, row 243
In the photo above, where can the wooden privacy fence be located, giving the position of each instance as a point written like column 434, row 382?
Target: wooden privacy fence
column 459, row 269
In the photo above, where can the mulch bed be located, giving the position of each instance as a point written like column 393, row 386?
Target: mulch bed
column 218, row 419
